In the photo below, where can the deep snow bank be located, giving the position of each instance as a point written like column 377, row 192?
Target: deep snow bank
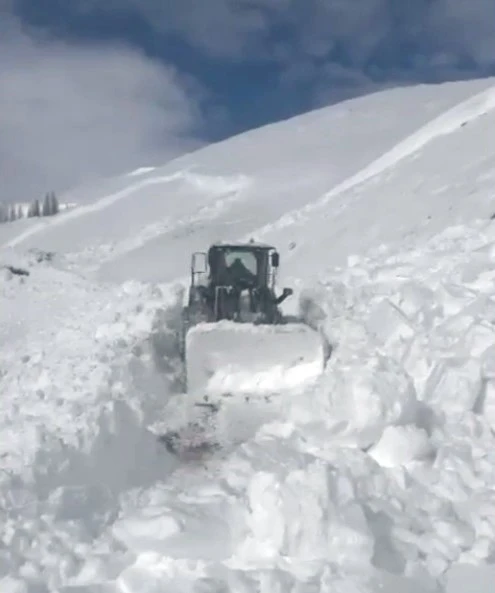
column 379, row 479
column 81, row 373
column 71, row 349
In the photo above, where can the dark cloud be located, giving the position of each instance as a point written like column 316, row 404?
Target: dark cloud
column 70, row 112
column 268, row 59
column 355, row 31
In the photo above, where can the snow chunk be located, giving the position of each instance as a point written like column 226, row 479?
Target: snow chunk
column 327, row 522
column 357, row 400
column 400, row 445
column 454, row 384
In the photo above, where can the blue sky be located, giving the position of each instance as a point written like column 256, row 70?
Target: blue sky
column 94, row 87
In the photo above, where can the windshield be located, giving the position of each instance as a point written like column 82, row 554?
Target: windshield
column 246, row 258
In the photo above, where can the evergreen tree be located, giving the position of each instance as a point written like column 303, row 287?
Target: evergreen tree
column 46, row 208
column 34, row 209
column 54, row 203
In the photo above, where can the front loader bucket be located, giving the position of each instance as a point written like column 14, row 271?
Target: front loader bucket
column 237, row 373
column 228, row 358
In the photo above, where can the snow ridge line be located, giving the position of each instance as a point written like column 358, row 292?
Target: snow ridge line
column 233, row 183
column 446, row 123
column 205, row 214
column 95, row 207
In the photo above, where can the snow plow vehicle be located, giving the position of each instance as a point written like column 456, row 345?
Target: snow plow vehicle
column 237, row 346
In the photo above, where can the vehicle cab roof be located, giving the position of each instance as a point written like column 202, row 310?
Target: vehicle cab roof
column 240, row 244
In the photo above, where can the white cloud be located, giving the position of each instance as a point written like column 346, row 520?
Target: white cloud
column 70, row 112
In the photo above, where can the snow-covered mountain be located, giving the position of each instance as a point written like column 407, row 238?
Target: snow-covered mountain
column 286, row 182
column 381, row 478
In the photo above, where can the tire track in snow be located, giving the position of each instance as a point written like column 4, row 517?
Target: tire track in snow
column 446, row 123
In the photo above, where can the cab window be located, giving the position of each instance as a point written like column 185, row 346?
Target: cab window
column 247, row 258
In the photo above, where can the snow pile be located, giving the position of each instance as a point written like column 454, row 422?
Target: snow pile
column 78, row 381
column 369, row 482
column 75, row 351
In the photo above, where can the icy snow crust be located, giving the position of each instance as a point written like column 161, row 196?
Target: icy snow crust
column 379, row 478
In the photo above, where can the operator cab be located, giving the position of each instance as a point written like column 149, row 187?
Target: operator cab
column 242, row 266
column 237, row 281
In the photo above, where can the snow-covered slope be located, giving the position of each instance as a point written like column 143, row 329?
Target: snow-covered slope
column 381, row 478
column 288, row 180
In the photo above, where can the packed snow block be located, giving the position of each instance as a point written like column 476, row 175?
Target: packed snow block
column 305, row 510
column 454, row 297
column 391, row 329
column 148, row 529
column 454, row 385
column 180, row 526
column 399, row 445
column 477, row 272
column 488, row 362
column 479, row 339
column 417, row 302
column 355, row 400
column 488, row 404
column 468, row 333
column 487, row 400
column 418, row 361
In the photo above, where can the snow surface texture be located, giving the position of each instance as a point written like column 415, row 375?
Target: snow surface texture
column 380, row 478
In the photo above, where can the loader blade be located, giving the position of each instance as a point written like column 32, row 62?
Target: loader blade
column 227, row 358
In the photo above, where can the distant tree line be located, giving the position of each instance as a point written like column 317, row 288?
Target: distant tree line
column 49, row 206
